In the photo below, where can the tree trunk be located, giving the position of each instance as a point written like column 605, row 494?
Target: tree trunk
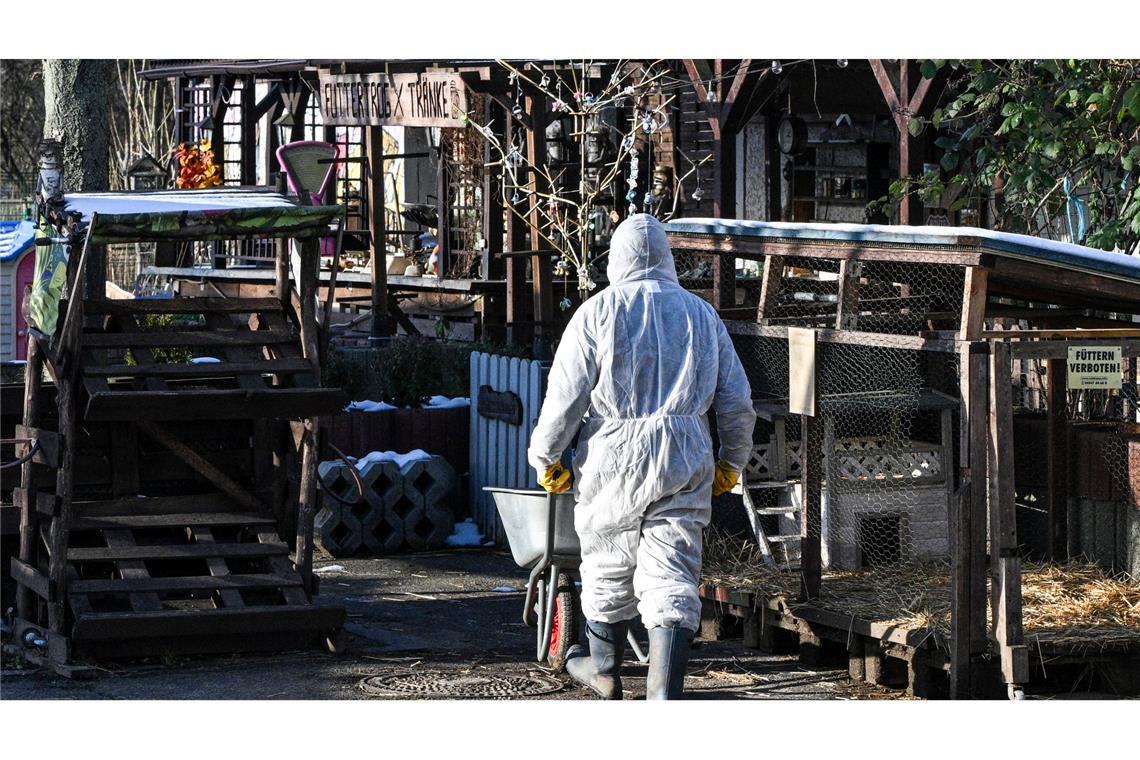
column 77, row 97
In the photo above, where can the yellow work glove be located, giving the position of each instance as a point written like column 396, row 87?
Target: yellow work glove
column 556, row 479
column 724, row 478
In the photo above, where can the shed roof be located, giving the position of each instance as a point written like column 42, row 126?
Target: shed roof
column 1025, row 247
column 197, row 214
column 15, row 238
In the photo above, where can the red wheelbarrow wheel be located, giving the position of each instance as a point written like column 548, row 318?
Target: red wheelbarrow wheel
column 567, row 618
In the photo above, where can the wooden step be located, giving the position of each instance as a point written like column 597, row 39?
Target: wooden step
column 155, row 505
column 777, row 510
column 166, row 338
column 786, row 539
column 183, row 583
column 211, row 369
column 213, row 404
column 175, row 520
column 215, row 622
column 171, row 552
column 128, row 306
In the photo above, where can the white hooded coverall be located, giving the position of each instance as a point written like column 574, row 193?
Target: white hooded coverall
column 638, row 368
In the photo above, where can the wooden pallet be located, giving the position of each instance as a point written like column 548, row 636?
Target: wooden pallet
column 875, row 653
column 260, row 371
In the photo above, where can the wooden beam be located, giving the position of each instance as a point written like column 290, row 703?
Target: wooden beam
column 1057, row 459
column 542, row 274
column 202, row 466
column 744, row 247
column 847, row 306
column 377, row 245
column 1005, row 563
column 973, row 303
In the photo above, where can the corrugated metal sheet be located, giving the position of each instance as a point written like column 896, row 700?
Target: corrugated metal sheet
column 498, row 449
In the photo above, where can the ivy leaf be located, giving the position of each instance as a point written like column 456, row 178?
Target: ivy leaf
column 929, row 69
column 949, row 161
column 915, row 127
column 1131, row 102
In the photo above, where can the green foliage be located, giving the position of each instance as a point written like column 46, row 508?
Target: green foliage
column 162, row 355
column 408, row 371
column 1021, row 127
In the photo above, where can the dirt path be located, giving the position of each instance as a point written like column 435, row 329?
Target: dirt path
column 422, row 617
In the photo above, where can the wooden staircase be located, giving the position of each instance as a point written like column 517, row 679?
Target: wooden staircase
column 163, row 503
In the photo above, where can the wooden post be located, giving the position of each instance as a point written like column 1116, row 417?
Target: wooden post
column 967, row 524
column 1057, row 459
column 493, row 307
column 443, row 206
column 307, row 504
column 770, row 288
column 29, row 516
column 973, row 303
column 307, row 285
column 541, row 270
column 811, row 472
column 59, row 536
column 518, row 334
column 847, row 306
column 1005, row 563
column 904, row 103
column 377, row 247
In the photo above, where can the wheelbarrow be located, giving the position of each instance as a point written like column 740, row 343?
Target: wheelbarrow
column 540, row 532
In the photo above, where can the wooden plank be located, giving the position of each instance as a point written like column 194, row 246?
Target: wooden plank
column 203, row 536
column 1058, row 349
column 542, row 284
column 770, row 289
column 746, row 247
column 172, row 520
column 49, row 445
column 188, row 551
column 166, row 338
column 126, row 307
column 1057, row 459
column 213, row 369
column 234, row 581
column 848, row 337
column 154, row 505
column 1075, row 334
column 124, row 459
column 214, row 404
column 29, row 506
column 196, row 623
column 32, row 580
column 123, row 540
column 973, row 303
column 1046, row 282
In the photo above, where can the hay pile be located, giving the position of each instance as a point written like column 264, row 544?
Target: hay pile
column 1073, row 606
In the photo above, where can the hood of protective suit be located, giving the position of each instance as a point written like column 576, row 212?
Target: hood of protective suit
column 639, row 250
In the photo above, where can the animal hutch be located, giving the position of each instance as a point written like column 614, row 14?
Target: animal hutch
column 156, row 484
column 900, row 499
column 17, row 261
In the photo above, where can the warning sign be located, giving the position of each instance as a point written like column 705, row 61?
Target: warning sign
column 1097, row 367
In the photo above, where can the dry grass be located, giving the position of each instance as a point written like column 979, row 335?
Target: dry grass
column 1073, row 606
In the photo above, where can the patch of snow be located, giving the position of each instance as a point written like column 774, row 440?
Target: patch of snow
column 415, row 455
column 443, row 402
column 368, row 406
column 505, row 589
column 329, row 569
column 205, row 360
column 466, row 534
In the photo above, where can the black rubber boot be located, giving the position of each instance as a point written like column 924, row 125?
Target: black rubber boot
column 668, row 655
column 599, row 668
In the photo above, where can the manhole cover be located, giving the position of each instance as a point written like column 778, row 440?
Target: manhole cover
column 442, row 685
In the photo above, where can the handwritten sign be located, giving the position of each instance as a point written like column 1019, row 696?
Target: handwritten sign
column 431, row 99
column 1097, row 367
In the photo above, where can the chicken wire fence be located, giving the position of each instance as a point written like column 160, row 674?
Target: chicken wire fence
column 1101, row 461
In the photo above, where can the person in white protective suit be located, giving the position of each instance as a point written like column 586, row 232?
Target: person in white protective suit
column 637, row 370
